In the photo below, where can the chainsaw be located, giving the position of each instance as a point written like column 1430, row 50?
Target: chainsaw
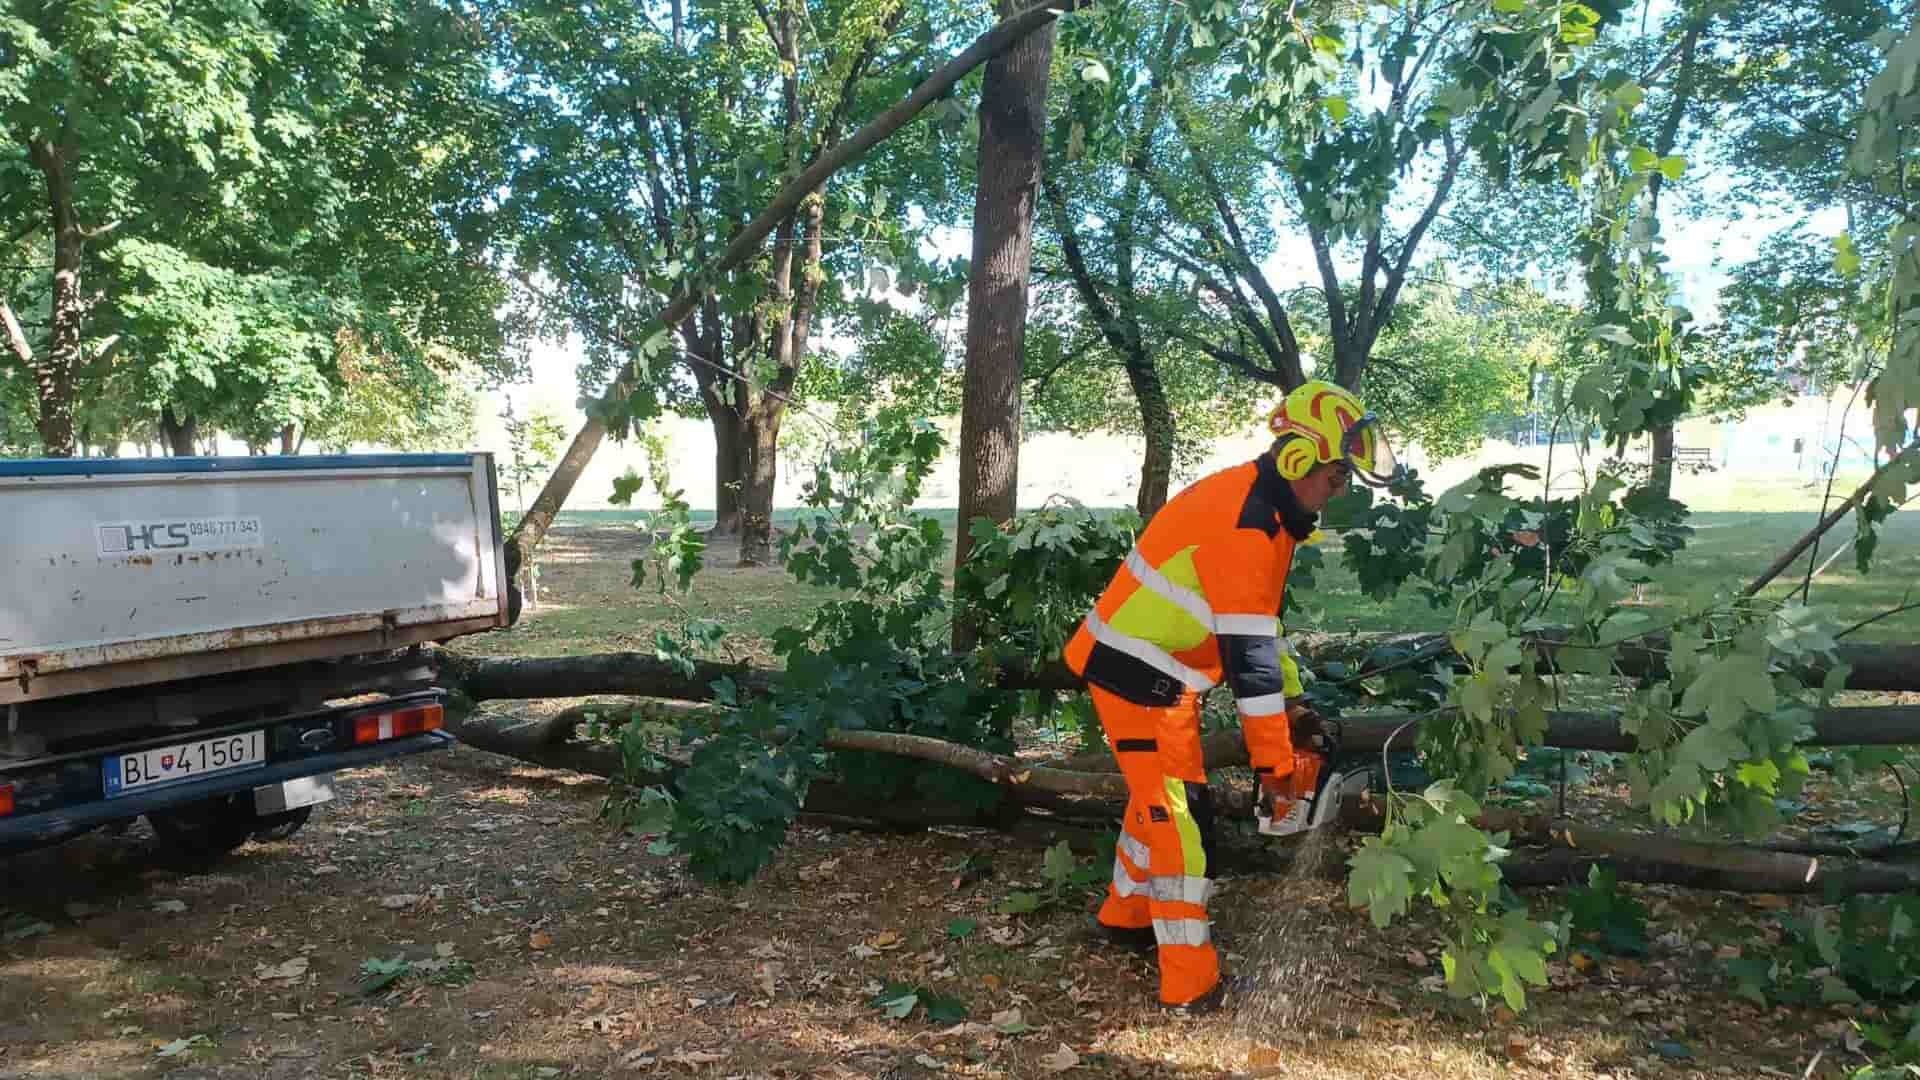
column 1316, row 787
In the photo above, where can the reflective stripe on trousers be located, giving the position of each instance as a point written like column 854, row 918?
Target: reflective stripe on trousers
column 1160, row 872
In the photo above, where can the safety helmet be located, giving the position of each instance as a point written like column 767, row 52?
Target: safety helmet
column 1319, row 423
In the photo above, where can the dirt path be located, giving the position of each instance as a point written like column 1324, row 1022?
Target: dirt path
column 546, row 945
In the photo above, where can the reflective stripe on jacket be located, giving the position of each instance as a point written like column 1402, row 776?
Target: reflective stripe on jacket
column 1197, row 601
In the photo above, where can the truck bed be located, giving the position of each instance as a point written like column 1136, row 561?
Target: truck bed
column 128, row 572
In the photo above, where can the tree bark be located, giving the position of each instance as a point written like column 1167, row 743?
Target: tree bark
column 728, row 440
column 1660, row 479
column 758, row 474
column 182, row 436
column 53, row 373
column 1013, row 116
column 1700, row 863
column 746, row 242
column 1156, row 421
column 289, row 440
column 485, row 678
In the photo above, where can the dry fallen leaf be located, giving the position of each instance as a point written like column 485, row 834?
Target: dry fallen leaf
column 1060, row 1060
column 697, row 1057
column 396, row 901
column 863, row 952
column 1503, row 1015
column 292, row 969
column 1416, row 958
column 169, row 907
column 1517, row 1046
column 1263, row 1057
column 1582, row 962
column 768, row 975
column 540, row 939
column 1769, row 901
column 886, row 939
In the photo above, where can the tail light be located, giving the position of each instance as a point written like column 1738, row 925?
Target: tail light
column 379, row 727
column 6, row 799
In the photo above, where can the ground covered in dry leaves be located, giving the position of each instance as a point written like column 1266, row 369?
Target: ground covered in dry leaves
column 518, row 936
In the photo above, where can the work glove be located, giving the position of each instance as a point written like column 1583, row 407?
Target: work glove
column 1308, row 796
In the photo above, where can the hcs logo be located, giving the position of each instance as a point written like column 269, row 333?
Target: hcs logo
column 133, row 539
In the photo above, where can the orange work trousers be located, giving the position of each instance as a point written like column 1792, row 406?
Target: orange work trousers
column 1160, row 875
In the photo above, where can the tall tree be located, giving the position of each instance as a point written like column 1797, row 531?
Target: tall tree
column 651, row 149
column 1013, row 114
column 1114, row 295
column 210, row 195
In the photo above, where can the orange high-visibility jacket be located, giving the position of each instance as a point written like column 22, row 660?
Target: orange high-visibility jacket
column 1198, row 599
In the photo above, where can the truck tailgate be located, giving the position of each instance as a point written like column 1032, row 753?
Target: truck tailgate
column 126, row 572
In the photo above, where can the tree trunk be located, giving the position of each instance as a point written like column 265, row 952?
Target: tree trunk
column 1156, row 420
column 1660, row 479
column 729, row 439
column 1013, row 115
column 486, row 678
column 757, row 476
column 289, row 440
column 182, row 436
column 54, row 372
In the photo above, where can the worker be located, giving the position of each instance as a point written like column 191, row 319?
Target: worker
column 1197, row 599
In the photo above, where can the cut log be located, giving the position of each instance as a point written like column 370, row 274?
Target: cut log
column 1701, row 863
column 549, row 741
column 1884, row 668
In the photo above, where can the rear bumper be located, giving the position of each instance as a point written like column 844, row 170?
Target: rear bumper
column 25, row 830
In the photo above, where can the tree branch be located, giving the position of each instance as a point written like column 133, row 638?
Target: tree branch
column 16, row 337
column 1403, row 262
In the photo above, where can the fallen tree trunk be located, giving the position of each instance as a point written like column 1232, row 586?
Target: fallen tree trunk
column 1099, row 796
column 1862, row 725
column 1700, row 863
column 1884, row 668
column 549, row 741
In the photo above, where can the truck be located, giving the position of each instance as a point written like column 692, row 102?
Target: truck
column 206, row 642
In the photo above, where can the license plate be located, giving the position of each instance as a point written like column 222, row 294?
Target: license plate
column 182, row 762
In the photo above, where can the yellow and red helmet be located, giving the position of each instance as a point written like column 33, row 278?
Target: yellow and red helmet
column 1319, row 423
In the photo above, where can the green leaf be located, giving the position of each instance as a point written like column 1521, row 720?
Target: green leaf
column 944, row 1010
column 378, row 974
column 1059, row 864
column 1673, row 166
column 1336, row 106
column 960, row 928
column 1835, row 991
column 1382, row 880
column 1094, row 71
column 1019, row 903
column 178, row 1047
column 1640, row 159
column 897, row 1002
column 1846, row 261
column 1510, row 7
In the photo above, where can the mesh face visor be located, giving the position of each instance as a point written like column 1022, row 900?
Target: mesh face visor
column 1367, row 452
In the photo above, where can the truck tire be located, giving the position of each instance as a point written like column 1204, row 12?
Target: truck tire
column 202, row 831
